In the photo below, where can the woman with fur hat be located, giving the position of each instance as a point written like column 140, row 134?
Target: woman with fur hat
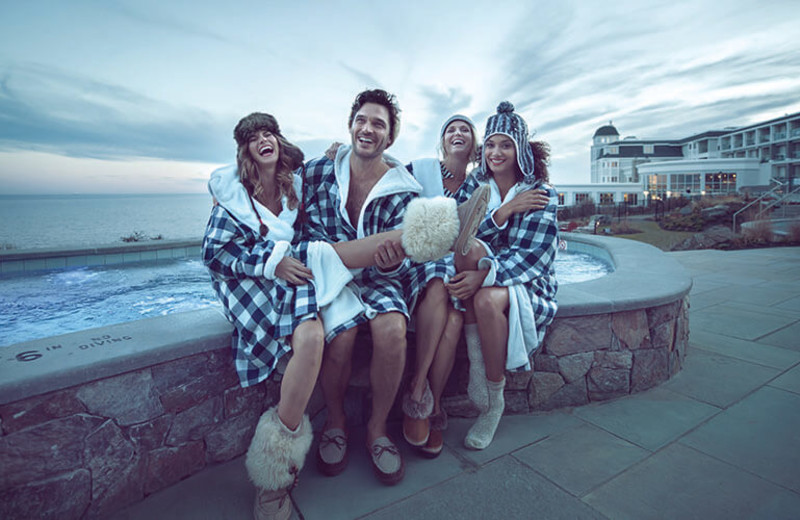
column 507, row 279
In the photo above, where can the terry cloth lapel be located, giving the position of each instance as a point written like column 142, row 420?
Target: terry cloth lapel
column 396, row 180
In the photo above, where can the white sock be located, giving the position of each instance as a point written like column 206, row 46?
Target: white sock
column 476, row 387
column 482, row 432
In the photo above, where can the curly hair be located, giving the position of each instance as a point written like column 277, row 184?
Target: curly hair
column 541, row 160
column 384, row 99
column 290, row 157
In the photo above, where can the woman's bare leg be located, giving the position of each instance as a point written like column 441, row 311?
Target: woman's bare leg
column 301, row 372
column 431, row 317
column 445, row 356
column 491, row 304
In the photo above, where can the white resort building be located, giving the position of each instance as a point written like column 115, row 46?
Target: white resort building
column 633, row 171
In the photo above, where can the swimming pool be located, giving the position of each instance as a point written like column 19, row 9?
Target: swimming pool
column 50, row 303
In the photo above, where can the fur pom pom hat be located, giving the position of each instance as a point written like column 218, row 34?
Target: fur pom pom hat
column 508, row 123
column 250, row 125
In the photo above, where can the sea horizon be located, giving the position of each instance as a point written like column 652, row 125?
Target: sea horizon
column 36, row 221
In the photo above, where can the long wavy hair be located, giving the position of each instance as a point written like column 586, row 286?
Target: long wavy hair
column 541, row 160
column 290, row 157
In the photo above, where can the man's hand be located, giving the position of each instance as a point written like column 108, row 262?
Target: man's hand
column 523, row 202
column 293, row 271
column 465, row 284
column 389, row 255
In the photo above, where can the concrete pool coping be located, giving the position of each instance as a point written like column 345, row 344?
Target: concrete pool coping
column 643, row 277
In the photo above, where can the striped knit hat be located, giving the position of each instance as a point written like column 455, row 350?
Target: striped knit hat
column 506, row 122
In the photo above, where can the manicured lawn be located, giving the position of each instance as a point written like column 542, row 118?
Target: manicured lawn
column 654, row 235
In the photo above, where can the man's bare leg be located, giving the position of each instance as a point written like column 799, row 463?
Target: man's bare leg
column 337, row 364
column 386, row 369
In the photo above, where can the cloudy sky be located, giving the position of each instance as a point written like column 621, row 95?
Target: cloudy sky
column 141, row 96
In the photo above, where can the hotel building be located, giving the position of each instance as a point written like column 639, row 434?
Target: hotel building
column 715, row 162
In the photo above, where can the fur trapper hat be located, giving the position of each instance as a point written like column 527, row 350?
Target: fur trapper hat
column 508, row 123
column 250, row 125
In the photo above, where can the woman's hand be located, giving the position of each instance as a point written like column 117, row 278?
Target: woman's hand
column 465, row 284
column 293, row 271
column 330, row 153
column 389, row 254
column 523, row 202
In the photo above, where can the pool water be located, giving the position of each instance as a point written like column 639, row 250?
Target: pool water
column 39, row 305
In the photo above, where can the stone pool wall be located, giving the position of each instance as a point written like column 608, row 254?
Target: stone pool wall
column 94, row 421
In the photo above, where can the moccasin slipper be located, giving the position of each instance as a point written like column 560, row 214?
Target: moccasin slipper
column 434, row 446
column 386, row 461
column 415, row 431
column 332, row 452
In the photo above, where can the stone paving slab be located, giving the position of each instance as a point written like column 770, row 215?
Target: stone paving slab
column 788, row 337
column 733, row 379
column 225, row 492
column 330, row 498
column 766, row 294
column 651, row 419
column 791, row 305
column 581, row 458
column 501, row 490
column 679, row 482
column 734, row 320
column 761, row 434
column 789, row 381
column 513, row 433
column 750, row 351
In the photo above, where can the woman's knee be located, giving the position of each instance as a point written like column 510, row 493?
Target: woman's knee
column 435, row 293
column 487, row 303
column 308, row 342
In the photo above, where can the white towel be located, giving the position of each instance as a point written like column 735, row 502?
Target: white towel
column 522, row 335
column 337, row 302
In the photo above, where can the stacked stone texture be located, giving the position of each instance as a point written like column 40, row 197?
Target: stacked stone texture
column 91, row 450
column 593, row 358
column 87, row 451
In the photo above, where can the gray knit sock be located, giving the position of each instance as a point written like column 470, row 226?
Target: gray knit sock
column 476, row 387
column 482, row 432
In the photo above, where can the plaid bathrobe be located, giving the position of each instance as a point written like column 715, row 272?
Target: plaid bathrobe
column 325, row 189
column 264, row 310
column 523, row 251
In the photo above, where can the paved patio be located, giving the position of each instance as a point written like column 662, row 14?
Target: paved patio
column 719, row 440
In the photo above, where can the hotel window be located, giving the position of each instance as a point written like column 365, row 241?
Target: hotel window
column 657, row 185
column 613, row 150
column 631, row 198
column 581, row 198
column 606, row 199
column 685, row 183
column 721, row 182
column 561, row 198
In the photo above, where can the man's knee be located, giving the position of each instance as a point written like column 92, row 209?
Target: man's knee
column 340, row 349
column 389, row 332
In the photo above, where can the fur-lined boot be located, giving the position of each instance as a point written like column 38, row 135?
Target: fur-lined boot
column 432, row 227
column 274, row 459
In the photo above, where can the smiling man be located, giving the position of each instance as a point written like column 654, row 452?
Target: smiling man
column 360, row 193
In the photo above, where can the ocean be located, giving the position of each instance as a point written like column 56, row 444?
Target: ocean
column 67, row 221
